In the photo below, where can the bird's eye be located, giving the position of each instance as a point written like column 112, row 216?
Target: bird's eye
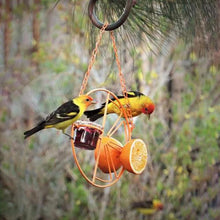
column 87, row 100
column 146, row 109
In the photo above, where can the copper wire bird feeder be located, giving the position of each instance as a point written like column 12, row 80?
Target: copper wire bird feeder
column 107, row 150
column 111, row 157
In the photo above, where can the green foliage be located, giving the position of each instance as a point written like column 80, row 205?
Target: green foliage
column 47, row 3
column 80, row 198
column 56, row 65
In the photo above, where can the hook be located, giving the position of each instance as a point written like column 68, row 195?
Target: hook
column 114, row 25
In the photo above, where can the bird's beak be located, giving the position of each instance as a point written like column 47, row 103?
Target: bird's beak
column 148, row 116
column 93, row 102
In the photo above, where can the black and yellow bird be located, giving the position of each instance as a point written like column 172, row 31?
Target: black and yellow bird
column 63, row 116
column 139, row 103
column 148, row 207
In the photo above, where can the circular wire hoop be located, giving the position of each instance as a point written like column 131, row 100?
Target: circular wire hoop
column 112, row 175
column 115, row 25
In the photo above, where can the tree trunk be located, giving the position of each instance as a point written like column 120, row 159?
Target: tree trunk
column 36, row 31
column 170, row 96
column 35, row 25
column 7, row 32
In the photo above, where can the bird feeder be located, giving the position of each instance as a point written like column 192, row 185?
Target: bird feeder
column 111, row 157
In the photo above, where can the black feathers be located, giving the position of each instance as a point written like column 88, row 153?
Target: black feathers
column 39, row 127
column 95, row 114
column 63, row 113
column 142, row 204
column 130, row 94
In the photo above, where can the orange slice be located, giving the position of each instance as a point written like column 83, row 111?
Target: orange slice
column 134, row 156
column 109, row 155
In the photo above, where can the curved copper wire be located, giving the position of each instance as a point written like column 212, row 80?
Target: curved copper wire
column 124, row 113
column 115, row 25
column 112, row 179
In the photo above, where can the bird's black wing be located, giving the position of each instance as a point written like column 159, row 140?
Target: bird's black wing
column 142, row 204
column 134, row 94
column 97, row 113
column 65, row 112
column 130, row 94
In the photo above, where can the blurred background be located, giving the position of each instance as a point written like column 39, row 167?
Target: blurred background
column 44, row 53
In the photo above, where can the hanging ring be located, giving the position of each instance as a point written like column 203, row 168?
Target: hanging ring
column 114, row 25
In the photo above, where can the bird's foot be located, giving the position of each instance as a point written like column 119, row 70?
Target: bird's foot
column 71, row 138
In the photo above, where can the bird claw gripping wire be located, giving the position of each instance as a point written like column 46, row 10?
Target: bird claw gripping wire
column 113, row 26
column 71, row 138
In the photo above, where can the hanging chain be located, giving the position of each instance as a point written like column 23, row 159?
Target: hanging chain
column 122, row 82
column 122, row 79
column 92, row 59
column 121, row 75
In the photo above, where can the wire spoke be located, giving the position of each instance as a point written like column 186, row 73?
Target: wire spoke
column 97, row 161
column 115, row 128
column 105, row 111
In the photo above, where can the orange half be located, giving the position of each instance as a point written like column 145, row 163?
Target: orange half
column 109, row 150
column 134, row 156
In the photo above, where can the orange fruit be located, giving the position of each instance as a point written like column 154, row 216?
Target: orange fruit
column 110, row 150
column 134, row 156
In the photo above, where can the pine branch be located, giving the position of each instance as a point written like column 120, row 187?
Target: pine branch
column 157, row 19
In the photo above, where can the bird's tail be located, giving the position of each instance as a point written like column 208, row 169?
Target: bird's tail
column 39, row 127
column 95, row 114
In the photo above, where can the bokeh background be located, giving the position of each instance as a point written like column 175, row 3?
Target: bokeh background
column 44, row 53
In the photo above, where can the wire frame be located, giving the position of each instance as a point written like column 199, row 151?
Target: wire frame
column 112, row 175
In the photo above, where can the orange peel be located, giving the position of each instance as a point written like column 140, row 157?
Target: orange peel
column 109, row 150
column 134, row 156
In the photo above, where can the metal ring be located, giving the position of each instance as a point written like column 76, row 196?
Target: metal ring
column 114, row 25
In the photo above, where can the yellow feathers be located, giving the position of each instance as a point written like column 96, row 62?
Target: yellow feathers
column 138, row 102
column 63, row 116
